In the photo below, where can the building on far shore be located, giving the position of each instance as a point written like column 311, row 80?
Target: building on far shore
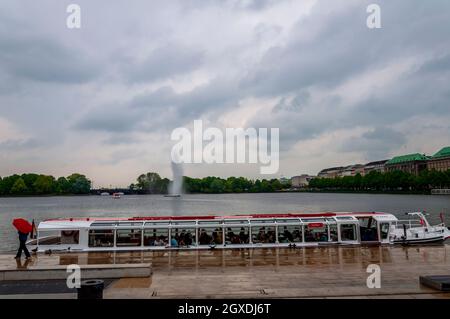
column 377, row 166
column 284, row 180
column 301, row 181
column 331, row 172
column 440, row 161
column 352, row 170
column 411, row 163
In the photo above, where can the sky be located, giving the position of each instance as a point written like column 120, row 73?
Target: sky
column 103, row 100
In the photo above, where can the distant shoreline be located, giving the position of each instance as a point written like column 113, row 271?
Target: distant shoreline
column 275, row 192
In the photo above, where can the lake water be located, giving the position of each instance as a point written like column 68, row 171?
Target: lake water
column 41, row 208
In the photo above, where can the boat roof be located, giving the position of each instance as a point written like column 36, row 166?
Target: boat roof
column 85, row 222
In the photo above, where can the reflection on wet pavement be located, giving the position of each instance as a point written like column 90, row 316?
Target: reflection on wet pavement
column 275, row 272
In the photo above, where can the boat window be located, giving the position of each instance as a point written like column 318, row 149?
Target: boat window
column 128, row 237
column 130, row 224
column 384, row 229
column 262, row 221
column 236, row 221
column 184, row 222
column 368, row 229
column 263, row 234
column 156, row 237
column 348, row 232
column 157, row 223
column 316, row 232
column 237, row 235
column 101, row 238
column 184, row 237
column 313, row 220
column 344, row 218
column 210, row 236
column 103, row 224
column 210, row 222
column 50, row 237
column 284, row 221
column 290, row 234
column 70, row 237
column 333, row 232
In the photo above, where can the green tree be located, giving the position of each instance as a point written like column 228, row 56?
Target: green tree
column 19, row 187
column 276, row 184
column 79, row 184
column 8, row 183
column 217, row 186
column 62, row 186
column 44, row 184
column 29, row 180
column 152, row 183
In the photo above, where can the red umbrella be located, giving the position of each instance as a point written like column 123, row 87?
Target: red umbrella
column 22, row 225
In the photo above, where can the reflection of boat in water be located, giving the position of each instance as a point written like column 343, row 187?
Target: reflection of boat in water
column 239, row 231
column 172, row 195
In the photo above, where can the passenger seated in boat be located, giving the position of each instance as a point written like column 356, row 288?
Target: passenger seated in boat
column 287, row 235
column 236, row 240
column 323, row 237
column 309, row 237
column 204, row 238
column 217, row 238
column 261, row 236
column 164, row 240
column 182, row 239
column 297, row 235
column 173, row 242
column 188, row 239
column 242, row 236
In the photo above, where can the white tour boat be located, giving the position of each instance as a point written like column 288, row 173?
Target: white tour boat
column 240, row 231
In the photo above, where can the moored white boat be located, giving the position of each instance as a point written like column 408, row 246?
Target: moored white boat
column 239, row 231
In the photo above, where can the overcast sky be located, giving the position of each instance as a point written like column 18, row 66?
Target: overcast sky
column 103, row 100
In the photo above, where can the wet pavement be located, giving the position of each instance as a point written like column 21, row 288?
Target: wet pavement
column 319, row 272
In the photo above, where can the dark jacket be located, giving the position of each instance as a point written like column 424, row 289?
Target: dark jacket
column 23, row 237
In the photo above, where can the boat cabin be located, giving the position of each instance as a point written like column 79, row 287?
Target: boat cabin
column 153, row 233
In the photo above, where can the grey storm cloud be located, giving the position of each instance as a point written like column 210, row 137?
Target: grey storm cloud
column 376, row 144
column 157, row 65
column 171, row 109
column 44, row 60
column 344, row 48
column 18, row 144
column 162, row 63
column 296, row 104
column 111, row 118
column 339, row 47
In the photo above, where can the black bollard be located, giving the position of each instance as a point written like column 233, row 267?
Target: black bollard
column 91, row 289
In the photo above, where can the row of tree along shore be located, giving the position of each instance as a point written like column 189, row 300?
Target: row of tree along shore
column 376, row 182
column 39, row 184
column 152, row 183
column 396, row 181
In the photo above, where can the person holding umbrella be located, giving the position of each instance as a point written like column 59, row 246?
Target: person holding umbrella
column 24, row 228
